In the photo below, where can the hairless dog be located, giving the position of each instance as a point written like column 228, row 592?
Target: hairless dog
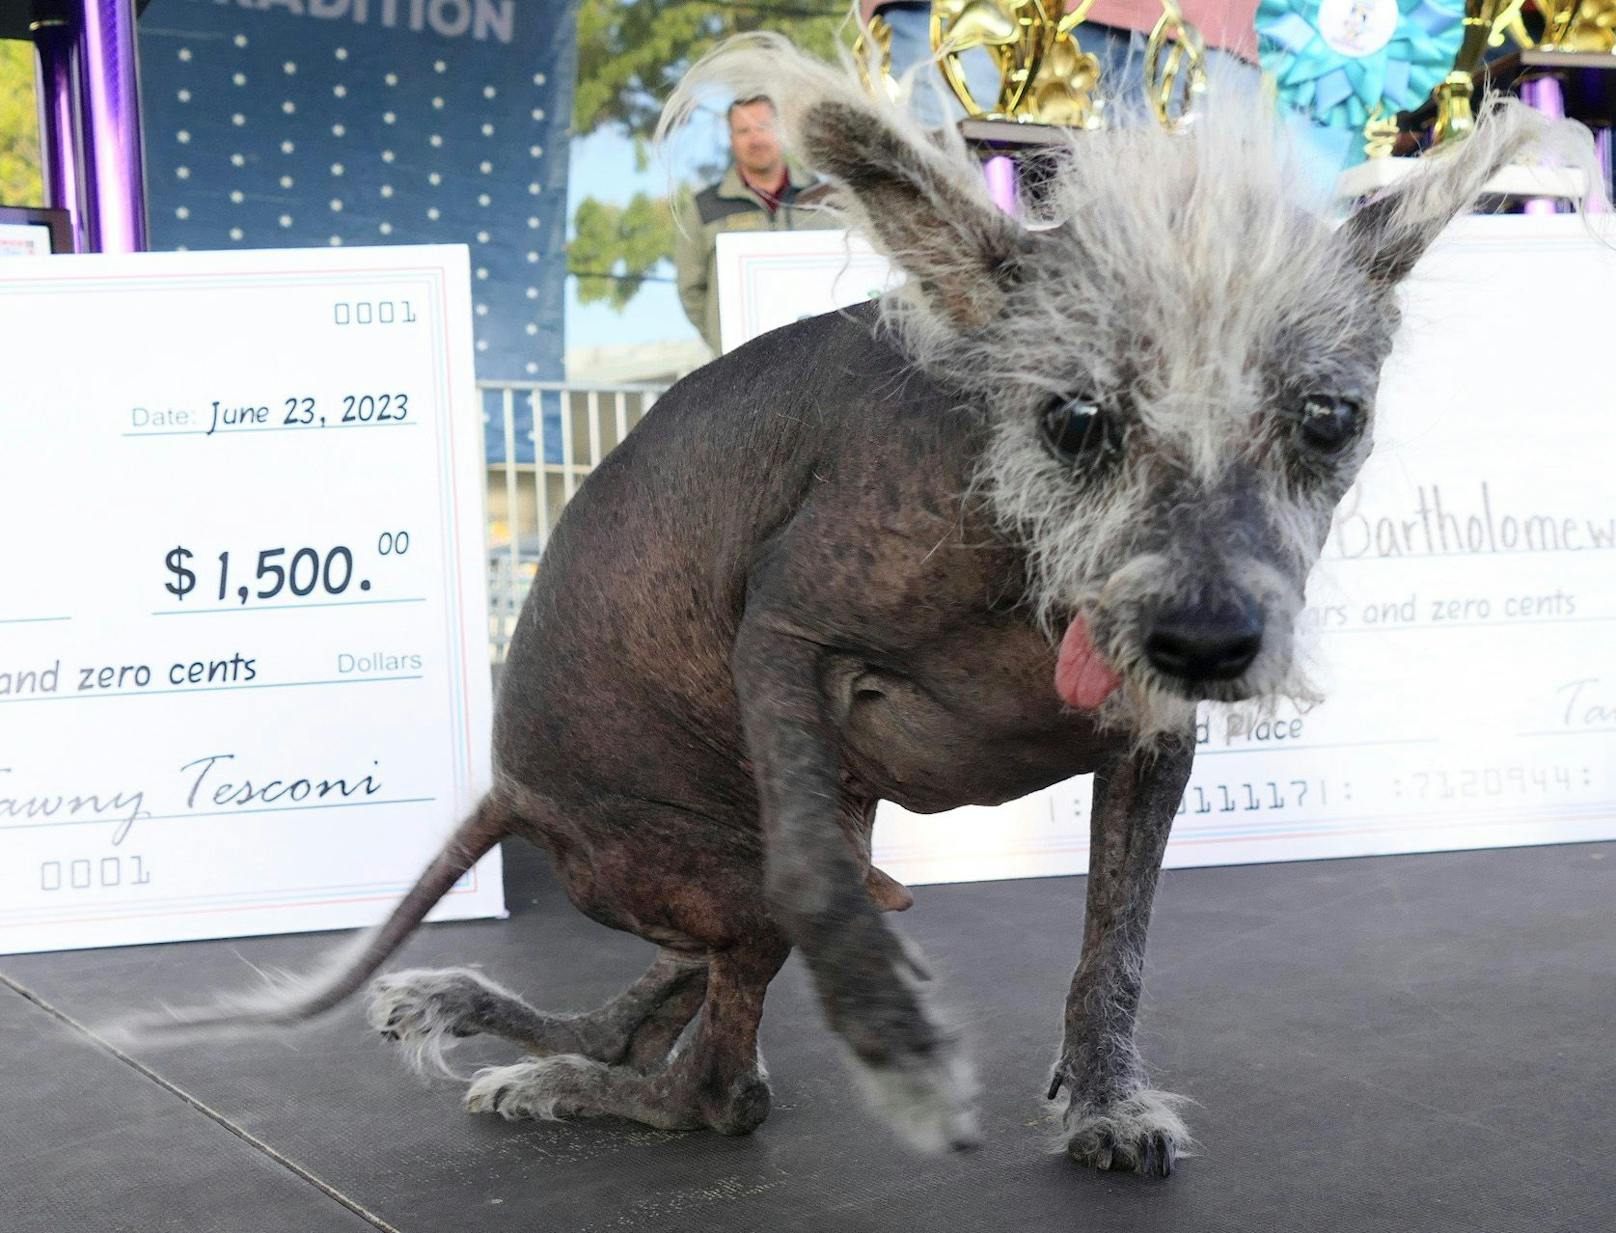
column 1008, row 525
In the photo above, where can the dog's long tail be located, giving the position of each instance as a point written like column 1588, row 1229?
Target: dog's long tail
column 287, row 999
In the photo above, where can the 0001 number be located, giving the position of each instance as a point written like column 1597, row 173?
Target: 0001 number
column 373, row 312
column 87, row 874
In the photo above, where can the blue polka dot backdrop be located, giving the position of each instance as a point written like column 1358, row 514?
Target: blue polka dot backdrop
column 300, row 123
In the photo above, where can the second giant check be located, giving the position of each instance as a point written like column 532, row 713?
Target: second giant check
column 1462, row 621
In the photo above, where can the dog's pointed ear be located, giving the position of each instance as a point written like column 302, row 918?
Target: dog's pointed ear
column 1386, row 236
column 925, row 208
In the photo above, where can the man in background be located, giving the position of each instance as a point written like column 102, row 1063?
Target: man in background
column 755, row 194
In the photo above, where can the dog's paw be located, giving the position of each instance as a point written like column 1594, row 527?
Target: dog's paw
column 1140, row 1134
column 927, row 1097
column 552, row 1088
column 426, row 1011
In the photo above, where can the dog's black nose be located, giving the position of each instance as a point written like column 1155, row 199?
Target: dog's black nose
column 1205, row 644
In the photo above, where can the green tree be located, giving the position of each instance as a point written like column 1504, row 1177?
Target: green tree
column 19, row 127
column 615, row 250
column 631, row 53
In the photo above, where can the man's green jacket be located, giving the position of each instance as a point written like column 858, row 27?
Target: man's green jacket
column 730, row 205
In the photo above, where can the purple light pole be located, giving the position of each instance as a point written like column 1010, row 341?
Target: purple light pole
column 1607, row 164
column 1543, row 94
column 114, row 182
column 1000, row 171
column 55, row 51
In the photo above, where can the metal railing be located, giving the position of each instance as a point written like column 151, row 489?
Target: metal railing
column 544, row 437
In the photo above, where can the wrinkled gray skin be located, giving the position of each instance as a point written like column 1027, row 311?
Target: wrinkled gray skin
column 704, row 721
column 794, row 590
column 770, row 608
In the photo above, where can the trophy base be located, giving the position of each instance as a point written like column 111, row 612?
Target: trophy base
column 990, row 137
column 1519, row 183
column 1016, row 158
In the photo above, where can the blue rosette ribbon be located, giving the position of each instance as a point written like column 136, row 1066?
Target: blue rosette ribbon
column 1335, row 61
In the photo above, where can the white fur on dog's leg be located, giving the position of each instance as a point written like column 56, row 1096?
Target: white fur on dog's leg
column 1142, row 1133
column 929, row 1101
column 424, row 1012
column 537, row 1089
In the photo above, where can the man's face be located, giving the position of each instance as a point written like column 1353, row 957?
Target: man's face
column 753, row 139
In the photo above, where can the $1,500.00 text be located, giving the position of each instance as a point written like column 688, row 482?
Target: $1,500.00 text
column 305, row 572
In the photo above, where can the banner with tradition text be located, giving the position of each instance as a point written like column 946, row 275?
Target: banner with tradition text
column 299, row 123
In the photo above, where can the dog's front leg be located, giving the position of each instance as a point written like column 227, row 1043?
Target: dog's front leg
column 910, row 1066
column 1112, row 1118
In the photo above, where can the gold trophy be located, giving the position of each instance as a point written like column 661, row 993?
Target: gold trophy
column 1064, row 92
column 1584, row 29
column 1045, row 76
column 1175, row 67
column 1047, row 84
column 872, row 52
column 1574, row 26
column 1015, row 33
column 1485, row 24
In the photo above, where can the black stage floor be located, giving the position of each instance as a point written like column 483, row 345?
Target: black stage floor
column 1414, row 1043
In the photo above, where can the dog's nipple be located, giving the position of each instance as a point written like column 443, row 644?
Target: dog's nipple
column 889, row 894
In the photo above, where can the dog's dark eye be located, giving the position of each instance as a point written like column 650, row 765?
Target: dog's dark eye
column 1327, row 424
column 1074, row 428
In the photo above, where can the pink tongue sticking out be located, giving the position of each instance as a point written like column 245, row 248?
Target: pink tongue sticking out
column 1082, row 678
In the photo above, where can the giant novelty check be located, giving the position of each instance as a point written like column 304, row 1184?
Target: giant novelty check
column 244, row 678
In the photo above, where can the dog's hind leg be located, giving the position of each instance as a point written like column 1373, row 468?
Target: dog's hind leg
column 424, row 1010
column 1112, row 1118
column 716, row 1079
column 657, row 1024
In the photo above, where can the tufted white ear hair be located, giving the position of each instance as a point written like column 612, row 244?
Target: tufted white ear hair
column 1391, row 232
